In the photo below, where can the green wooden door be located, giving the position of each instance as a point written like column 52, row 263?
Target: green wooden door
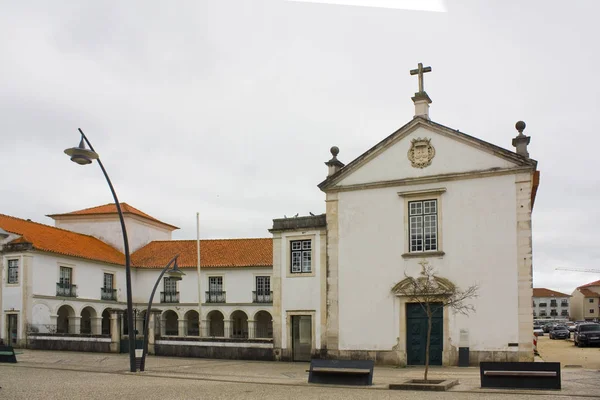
column 416, row 335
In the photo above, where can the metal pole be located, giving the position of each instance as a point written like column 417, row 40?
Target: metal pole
column 147, row 317
column 130, row 329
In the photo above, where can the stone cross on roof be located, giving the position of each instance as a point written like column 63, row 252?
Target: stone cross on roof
column 420, row 71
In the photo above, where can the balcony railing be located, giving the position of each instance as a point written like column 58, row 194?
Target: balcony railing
column 564, row 304
column 262, row 297
column 169, row 297
column 553, row 304
column 108, row 294
column 215, row 297
column 66, row 290
column 543, row 304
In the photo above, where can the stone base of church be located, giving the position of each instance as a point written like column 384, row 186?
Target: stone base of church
column 398, row 358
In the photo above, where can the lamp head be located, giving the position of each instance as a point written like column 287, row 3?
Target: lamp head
column 81, row 155
column 175, row 274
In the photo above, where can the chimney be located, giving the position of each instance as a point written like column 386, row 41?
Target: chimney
column 334, row 164
column 521, row 141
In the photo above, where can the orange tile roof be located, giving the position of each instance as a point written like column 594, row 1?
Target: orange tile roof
column 214, row 253
column 588, row 292
column 595, row 283
column 110, row 208
column 60, row 241
column 543, row 292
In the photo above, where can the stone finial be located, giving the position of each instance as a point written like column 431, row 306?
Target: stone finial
column 521, row 141
column 334, row 164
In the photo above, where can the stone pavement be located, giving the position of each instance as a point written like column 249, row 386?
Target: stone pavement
column 576, row 382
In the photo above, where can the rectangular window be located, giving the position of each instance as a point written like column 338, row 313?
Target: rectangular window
column 66, row 275
column 301, row 256
column 591, row 310
column 108, row 281
column 263, row 285
column 13, row 271
column 564, row 313
column 215, row 284
column 423, row 226
column 170, row 285
column 591, row 300
column 542, row 313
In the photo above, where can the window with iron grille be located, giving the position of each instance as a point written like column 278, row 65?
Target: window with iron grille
column 564, row 313
column 13, row 271
column 423, row 225
column 170, row 285
column 301, row 256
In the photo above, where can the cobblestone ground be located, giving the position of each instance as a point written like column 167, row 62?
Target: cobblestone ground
column 41, row 383
column 567, row 354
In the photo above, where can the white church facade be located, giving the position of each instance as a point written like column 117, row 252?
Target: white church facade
column 426, row 193
column 321, row 286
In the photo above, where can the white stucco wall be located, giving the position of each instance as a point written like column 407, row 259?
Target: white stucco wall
column 451, row 157
column 238, row 283
column 87, row 275
column 478, row 231
column 108, row 229
column 301, row 292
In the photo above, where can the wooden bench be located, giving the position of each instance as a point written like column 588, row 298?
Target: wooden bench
column 520, row 375
column 7, row 354
column 341, row 372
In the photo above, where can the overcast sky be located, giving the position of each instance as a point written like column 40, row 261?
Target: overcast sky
column 229, row 108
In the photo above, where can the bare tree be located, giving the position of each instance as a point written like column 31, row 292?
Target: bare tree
column 429, row 289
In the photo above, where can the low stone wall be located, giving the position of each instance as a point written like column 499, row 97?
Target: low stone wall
column 231, row 350
column 89, row 343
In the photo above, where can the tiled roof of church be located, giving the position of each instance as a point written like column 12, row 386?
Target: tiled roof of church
column 60, row 241
column 595, row 283
column 214, row 253
column 110, row 208
column 543, row 292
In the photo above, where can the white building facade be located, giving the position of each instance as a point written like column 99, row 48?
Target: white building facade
column 426, row 193
column 550, row 304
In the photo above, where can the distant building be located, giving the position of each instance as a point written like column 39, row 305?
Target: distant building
column 585, row 302
column 550, row 304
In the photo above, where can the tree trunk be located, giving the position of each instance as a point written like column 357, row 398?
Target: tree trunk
column 429, row 322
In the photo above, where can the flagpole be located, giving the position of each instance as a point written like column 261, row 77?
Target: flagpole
column 199, row 277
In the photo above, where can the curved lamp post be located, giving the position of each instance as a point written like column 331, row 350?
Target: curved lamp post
column 83, row 156
column 175, row 274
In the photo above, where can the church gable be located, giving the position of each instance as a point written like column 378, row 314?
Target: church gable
column 423, row 148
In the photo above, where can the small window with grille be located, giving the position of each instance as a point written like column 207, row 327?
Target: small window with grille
column 423, row 226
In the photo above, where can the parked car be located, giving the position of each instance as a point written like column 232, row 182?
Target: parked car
column 560, row 332
column 571, row 326
column 587, row 333
column 548, row 327
column 538, row 331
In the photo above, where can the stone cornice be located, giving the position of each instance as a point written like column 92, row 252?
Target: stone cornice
column 431, row 179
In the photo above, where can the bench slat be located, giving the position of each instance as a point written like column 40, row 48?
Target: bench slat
column 340, row 370
column 520, row 373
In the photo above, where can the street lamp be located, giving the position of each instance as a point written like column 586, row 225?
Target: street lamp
column 83, row 156
column 175, row 274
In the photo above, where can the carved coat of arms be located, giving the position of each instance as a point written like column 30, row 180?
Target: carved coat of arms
column 421, row 153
